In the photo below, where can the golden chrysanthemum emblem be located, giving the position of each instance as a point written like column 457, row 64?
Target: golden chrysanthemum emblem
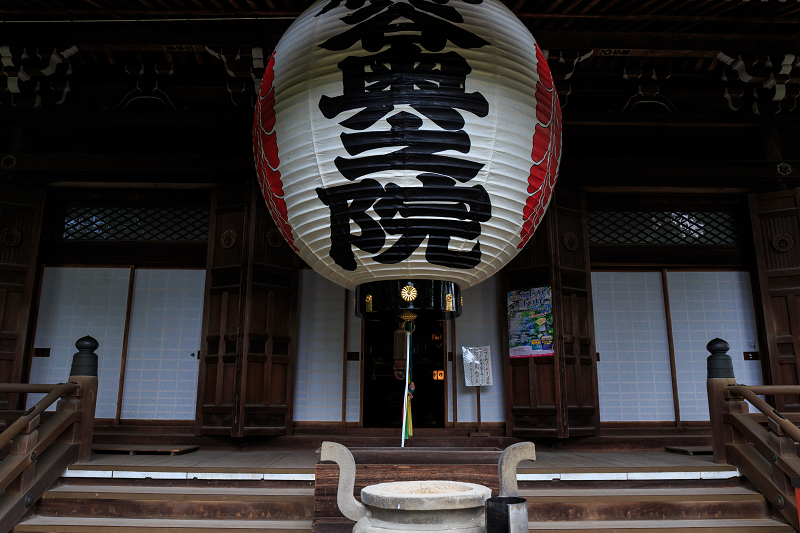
column 408, row 293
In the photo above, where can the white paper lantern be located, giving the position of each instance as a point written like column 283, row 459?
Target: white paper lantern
column 412, row 139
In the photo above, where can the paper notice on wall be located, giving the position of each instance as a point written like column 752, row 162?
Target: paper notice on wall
column 477, row 366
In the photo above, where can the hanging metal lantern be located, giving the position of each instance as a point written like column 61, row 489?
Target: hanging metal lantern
column 407, row 142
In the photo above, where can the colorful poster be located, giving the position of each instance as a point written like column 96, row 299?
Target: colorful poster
column 477, row 366
column 530, row 322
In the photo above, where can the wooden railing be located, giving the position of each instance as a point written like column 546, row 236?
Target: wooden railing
column 761, row 445
column 39, row 454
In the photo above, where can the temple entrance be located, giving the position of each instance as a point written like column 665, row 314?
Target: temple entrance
column 384, row 381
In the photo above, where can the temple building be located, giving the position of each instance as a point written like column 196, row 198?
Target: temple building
column 131, row 212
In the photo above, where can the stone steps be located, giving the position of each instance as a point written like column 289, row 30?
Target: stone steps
column 231, row 503
column 58, row 524
column 566, row 504
column 753, row 525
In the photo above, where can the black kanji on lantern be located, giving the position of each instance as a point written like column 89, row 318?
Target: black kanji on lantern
column 418, row 154
column 432, row 84
column 375, row 25
column 407, row 69
column 438, row 210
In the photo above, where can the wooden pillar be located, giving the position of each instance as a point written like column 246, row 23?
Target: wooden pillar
column 720, row 375
column 84, row 373
column 733, row 404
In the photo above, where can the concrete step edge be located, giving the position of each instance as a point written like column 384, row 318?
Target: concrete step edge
column 49, row 524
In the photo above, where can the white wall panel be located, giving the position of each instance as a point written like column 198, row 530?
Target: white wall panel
column 76, row 302
column 318, row 382
column 706, row 305
column 630, row 326
column 164, row 340
column 481, row 324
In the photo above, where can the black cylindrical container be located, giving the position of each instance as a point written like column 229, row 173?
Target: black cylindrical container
column 506, row 514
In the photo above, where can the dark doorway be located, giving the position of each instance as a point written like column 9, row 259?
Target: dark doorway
column 383, row 391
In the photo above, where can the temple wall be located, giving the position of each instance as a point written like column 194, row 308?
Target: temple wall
column 631, row 334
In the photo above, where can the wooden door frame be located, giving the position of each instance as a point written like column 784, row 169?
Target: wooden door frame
column 764, row 306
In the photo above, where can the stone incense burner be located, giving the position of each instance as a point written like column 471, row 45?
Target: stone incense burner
column 408, row 506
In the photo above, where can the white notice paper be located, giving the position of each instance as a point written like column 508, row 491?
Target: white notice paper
column 477, row 366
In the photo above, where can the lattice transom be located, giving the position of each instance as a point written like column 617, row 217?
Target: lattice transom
column 136, row 224
column 615, row 227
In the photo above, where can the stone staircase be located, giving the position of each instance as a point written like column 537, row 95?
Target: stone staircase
column 103, row 505
column 86, row 505
column 663, row 506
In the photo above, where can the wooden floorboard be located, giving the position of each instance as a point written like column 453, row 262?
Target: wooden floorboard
column 640, row 494
column 288, row 461
column 133, row 449
column 691, row 450
column 557, row 462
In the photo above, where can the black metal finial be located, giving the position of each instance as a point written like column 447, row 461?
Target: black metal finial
column 719, row 363
column 84, row 363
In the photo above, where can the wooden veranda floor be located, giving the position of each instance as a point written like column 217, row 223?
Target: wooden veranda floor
column 299, row 465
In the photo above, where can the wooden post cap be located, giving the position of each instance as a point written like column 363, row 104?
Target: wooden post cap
column 84, row 363
column 715, row 345
column 719, row 363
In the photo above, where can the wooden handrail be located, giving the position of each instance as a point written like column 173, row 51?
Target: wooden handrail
column 767, row 456
column 746, row 425
column 39, row 454
column 11, row 467
column 750, row 394
column 28, row 387
column 41, row 406
column 48, row 469
column 771, row 390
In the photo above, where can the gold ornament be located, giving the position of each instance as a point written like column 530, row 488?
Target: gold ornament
column 408, row 293
column 407, row 316
column 369, row 303
column 462, row 301
column 449, row 299
column 228, row 239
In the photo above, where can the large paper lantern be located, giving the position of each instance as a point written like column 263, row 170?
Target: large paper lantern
column 407, row 139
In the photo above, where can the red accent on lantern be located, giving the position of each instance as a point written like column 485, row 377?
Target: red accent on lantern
column 265, row 152
column 546, row 150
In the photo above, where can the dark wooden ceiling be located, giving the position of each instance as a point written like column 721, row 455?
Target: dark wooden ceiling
column 774, row 17
column 610, row 57
column 659, row 88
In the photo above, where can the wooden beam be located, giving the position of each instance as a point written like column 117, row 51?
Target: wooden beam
column 574, row 39
column 125, row 338
column 671, row 345
column 131, row 163
column 267, row 29
column 644, row 17
column 723, row 169
column 141, row 15
column 128, row 164
column 136, row 15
